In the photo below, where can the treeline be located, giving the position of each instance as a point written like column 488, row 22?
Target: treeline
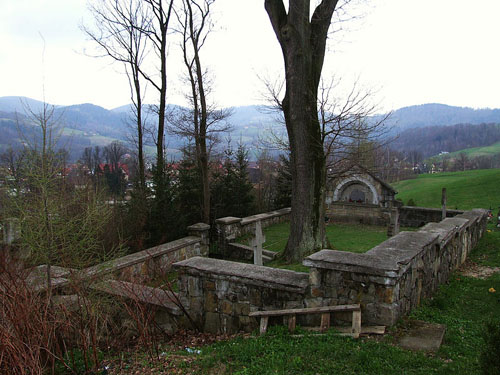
column 432, row 140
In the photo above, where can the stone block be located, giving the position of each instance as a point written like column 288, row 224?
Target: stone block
column 208, row 285
column 194, row 286
column 211, row 302
column 212, row 323
column 226, row 307
column 241, row 309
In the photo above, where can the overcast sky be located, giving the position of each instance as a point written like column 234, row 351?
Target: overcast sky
column 411, row 52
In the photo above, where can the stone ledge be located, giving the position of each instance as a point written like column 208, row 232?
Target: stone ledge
column 249, row 274
column 139, row 257
column 446, row 229
column 352, row 262
column 228, row 220
column 404, row 246
column 267, row 215
column 429, row 209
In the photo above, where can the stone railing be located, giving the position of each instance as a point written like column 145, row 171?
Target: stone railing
column 220, row 294
column 229, row 228
column 393, row 277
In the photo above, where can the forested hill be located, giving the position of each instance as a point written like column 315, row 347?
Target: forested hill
column 434, row 114
column 89, row 125
column 431, row 140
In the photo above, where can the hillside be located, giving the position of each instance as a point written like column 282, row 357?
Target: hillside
column 89, row 125
column 431, row 140
column 465, row 190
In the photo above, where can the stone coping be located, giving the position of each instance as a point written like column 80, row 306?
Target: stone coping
column 388, row 260
column 446, row 228
column 138, row 257
column 140, row 293
column 431, row 209
column 250, row 274
column 228, row 220
column 267, row 215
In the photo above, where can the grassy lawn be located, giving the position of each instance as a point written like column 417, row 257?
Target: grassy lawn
column 464, row 305
column 473, row 152
column 356, row 238
column 465, row 190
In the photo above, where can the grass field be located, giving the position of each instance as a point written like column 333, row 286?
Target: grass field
column 465, row 190
column 355, row 238
column 473, row 152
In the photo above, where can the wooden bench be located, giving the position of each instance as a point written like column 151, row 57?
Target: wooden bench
column 325, row 312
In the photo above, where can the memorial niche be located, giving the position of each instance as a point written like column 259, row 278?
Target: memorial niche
column 356, row 193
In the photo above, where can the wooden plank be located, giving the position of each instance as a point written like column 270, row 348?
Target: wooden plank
column 356, row 323
column 325, row 322
column 310, row 310
column 263, row 324
column 291, row 323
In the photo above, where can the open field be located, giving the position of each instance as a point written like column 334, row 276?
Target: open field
column 465, row 190
column 472, row 152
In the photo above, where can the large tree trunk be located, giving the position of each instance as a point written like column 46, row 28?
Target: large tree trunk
column 303, row 42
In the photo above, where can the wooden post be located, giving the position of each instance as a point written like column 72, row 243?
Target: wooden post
column 443, row 204
column 291, row 323
column 356, row 323
column 263, row 324
column 325, row 322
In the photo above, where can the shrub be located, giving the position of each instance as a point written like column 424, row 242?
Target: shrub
column 411, row 202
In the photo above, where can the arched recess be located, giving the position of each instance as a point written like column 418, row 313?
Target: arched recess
column 351, row 180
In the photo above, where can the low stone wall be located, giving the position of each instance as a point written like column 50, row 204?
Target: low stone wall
column 393, row 277
column 410, row 216
column 370, row 214
column 388, row 281
column 229, row 228
column 220, row 294
column 149, row 263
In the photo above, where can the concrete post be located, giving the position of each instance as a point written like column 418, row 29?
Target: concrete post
column 443, row 204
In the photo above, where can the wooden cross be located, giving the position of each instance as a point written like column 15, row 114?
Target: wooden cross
column 256, row 244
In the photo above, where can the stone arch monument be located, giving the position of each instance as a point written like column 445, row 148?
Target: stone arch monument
column 360, row 196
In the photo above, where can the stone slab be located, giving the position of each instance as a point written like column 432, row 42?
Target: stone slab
column 423, row 336
column 273, row 278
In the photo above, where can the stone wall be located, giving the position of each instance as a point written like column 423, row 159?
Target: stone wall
column 393, row 277
column 410, row 216
column 149, row 263
column 220, row 294
column 388, row 281
column 229, row 228
column 358, row 213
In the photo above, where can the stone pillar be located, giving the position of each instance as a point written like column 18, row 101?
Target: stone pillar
column 443, row 204
column 201, row 230
column 228, row 228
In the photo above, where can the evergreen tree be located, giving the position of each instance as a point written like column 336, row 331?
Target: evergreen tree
column 283, row 193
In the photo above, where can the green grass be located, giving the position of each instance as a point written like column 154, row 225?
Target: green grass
column 465, row 190
column 464, row 305
column 355, row 238
column 473, row 152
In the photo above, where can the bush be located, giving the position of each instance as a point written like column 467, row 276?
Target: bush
column 411, row 202
column 490, row 356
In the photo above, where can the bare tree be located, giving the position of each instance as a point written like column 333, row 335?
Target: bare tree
column 302, row 38
column 157, row 34
column 119, row 32
column 203, row 121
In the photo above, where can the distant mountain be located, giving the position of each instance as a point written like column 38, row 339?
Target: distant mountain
column 89, row 125
column 434, row 114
